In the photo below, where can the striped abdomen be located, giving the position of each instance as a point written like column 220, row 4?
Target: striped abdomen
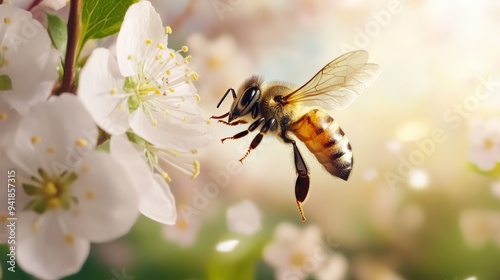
column 326, row 140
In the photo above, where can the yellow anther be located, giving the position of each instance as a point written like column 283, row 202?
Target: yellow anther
column 194, row 151
column 186, row 59
column 196, row 172
column 168, row 72
column 7, row 20
column 184, row 48
column 51, row 150
column 130, row 57
column 160, row 46
column 182, row 224
column 198, row 97
column 80, row 142
column 172, row 55
column 113, row 91
column 168, row 30
column 158, row 56
column 89, row 195
column 166, row 177
column 186, row 119
column 69, row 238
column 171, row 89
column 154, row 122
column 148, row 41
column 35, row 139
column 195, row 76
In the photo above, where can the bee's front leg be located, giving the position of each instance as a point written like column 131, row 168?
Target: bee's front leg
column 270, row 124
column 251, row 128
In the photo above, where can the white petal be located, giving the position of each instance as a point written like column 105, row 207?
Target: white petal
column 46, row 253
column 101, row 91
column 55, row 4
column 170, row 132
column 107, row 203
column 65, row 134
column 156, row 201
column 141, row 23
column 244, row 218
column 9, row 120
column 32, row 63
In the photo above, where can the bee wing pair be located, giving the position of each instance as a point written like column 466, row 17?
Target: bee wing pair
column 338, row 84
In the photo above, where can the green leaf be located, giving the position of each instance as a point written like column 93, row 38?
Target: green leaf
column 102, row 18
column 58, row 32
column 5, row 83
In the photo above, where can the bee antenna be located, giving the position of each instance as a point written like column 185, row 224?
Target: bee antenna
column 225, row 94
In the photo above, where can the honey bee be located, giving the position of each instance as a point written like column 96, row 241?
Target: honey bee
column 280, row 109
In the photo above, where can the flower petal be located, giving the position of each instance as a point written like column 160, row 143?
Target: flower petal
column 46, row 249
column 49, row 137
column 170, row 132
column 101, row 91
column 141, row 23
column 27, row 58
column 155, row 198
column 107, row 203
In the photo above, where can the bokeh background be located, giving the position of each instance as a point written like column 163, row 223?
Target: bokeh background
column 416, row 205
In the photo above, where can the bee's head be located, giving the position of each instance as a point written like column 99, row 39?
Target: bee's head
column 247, row 97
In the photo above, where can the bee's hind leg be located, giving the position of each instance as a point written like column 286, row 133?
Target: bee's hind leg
column 302, row 183
column 271, row 123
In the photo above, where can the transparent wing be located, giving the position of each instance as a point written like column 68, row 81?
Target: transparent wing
column 338, row 83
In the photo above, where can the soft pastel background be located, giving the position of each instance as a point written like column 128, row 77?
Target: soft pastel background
column 413, row 208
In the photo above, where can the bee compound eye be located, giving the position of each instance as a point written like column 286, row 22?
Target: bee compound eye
column 248, row 99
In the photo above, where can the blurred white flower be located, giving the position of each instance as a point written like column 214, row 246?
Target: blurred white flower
column 369, row 268
column 71, row 194
column 485, row 140
column 418, row 179
column 295, row 253
column 334, row 268
column 183, row 232
column 147, row 88
column 480, row 226
column 28, row 64
column 156, row 201
column 227, row 246
column 244, row 218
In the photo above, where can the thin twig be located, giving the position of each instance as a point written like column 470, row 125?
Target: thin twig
column 71, row 49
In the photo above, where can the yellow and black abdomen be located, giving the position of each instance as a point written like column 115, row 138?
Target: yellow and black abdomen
column 326, row 140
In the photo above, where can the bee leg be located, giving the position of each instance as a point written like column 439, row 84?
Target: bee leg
column 225, row 94
column 220, row 117
column 251, row 128
column 271, row 123
column 302, row 183
column 233, row 123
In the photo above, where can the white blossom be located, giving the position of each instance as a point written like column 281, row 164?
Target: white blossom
column 68, row 193
column 26, row 59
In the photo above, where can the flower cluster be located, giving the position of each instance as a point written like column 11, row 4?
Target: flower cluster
column 485, row 140
column 88, row 161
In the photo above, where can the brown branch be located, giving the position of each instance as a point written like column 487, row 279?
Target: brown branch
column 72, row 47
column 34, row 4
